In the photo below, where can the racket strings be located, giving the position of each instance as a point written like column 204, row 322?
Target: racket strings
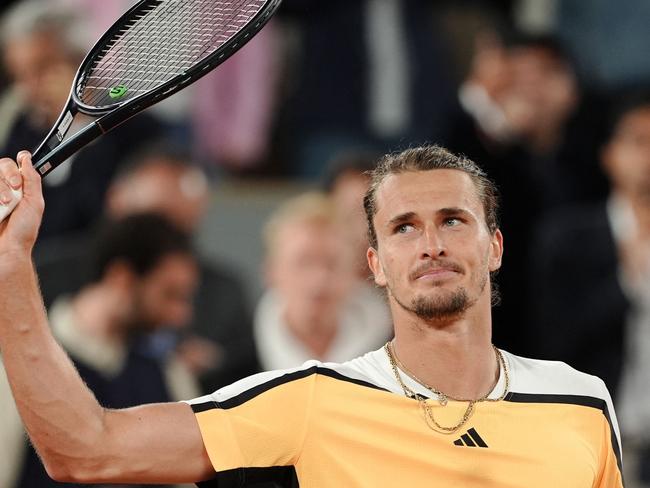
column 111, row 54
column 174, row 51
column 141, row 55
column 117, row 58
column 163, row 40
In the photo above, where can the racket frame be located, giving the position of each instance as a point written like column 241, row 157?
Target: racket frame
column 91, row 122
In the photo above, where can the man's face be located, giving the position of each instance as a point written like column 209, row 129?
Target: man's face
column 627, row 156
column 544, row 89
column 41, row 71
column 434, row 252
column 310, row 268
column 164, row 296
column 179, row 193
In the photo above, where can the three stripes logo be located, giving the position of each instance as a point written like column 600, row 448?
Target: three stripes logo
column 471, row 439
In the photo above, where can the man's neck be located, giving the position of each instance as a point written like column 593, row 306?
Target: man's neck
column 455, row 356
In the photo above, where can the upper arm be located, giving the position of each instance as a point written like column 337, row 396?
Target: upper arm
column 157, row 443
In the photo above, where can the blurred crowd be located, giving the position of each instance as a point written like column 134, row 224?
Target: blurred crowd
column 550, row 97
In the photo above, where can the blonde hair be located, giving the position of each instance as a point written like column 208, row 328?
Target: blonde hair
column 427, row 158
column 312, row 207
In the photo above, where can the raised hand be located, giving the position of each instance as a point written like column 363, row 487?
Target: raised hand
column 21, row 204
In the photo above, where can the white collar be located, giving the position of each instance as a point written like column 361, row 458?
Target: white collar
column 417, row 387
column 106, row 357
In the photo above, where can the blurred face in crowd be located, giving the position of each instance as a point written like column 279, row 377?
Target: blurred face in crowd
column 627, row 155
column 42, row 72
column 347, row 195
column 543, row 92
column 309, row 267
column 490, row 67
column 164, row 296
column 177, row 192
column 434, row 251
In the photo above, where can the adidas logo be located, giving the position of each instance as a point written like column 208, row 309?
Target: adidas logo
column 471, row 439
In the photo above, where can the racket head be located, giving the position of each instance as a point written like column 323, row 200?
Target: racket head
column 146, row 40
column 159, row 46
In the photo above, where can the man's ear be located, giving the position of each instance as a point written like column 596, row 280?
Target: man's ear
column 496, row 251
column 375, row 266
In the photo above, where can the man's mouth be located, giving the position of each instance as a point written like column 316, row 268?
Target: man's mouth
column 437, row 272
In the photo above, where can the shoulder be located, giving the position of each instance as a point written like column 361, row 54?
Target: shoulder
column 554, row 382
column 363, row 371
column 537, row 376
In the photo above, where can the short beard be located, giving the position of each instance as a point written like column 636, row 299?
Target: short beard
column 438, row 308
column 431, row 309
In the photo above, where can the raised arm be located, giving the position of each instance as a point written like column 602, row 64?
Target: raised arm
column 77, row 439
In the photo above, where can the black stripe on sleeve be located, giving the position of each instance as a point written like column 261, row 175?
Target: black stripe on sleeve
column 582, row 400
column 251, row 393
column 202, row 407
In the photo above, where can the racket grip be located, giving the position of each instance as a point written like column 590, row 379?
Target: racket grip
column 5, row 210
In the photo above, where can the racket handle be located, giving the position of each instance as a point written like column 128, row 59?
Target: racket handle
column 5, row 210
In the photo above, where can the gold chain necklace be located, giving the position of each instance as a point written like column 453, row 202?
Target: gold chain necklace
column 443, row 397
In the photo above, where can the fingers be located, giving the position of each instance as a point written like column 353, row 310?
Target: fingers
column 30, row 178
column 11, row 181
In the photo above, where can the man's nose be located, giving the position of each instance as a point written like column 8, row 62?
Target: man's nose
column 433, row 244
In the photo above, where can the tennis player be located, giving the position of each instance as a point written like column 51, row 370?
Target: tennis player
column 438, row 405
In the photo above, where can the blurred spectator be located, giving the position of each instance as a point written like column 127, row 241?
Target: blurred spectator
column 544, row 90
column 591, row 273
column 522, row 117
column 144, row 277
column 346, row 181
column 559, row 126
column 97, row 15
column 313, row 307
column 160, row 179
column 42, row 48
column 366, row 72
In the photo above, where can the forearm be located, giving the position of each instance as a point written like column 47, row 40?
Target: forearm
column 61, row 415
column 77, row 439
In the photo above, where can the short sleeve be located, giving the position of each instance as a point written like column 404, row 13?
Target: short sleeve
column 610, row 469
column 260, row 421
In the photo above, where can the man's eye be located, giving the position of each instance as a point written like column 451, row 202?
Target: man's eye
column 452, row 221
column 404, row 228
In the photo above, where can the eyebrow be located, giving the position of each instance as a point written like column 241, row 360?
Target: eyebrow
column 445, row 212
column 401, row 218
column 450, row 211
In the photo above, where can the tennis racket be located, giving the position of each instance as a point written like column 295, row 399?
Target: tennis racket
column 155, row 49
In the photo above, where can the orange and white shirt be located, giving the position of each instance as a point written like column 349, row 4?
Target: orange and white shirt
column 350, row 425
